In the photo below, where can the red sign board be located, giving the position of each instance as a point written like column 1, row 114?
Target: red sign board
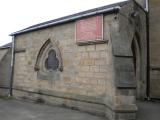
column 89, row 29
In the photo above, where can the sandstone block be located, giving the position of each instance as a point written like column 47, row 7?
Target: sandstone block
column 100, row 62
column 100, row 75
column 88, row 62
column 95, row 55
column 100, row 47
column 94, row 68
column 90, row 48
column 85, row 68
column 84, row 55
column 81, row 48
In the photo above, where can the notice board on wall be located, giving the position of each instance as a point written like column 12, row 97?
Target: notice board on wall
column 89, row 30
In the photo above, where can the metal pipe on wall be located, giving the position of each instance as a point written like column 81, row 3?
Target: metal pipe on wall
column 147, row 5
column 12, row 67
column 148, row 50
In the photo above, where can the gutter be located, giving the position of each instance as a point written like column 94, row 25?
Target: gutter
column 12, row 67
column 112, row 9
column 5, row 47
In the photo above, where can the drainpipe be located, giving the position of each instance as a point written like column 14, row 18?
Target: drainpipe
column 147, row 5
column 148, row 50
column 12, row 67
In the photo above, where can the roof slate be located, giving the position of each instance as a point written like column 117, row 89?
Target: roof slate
column 8, row 45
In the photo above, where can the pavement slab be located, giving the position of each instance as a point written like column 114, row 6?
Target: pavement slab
column 19, row 110
column 148, row 110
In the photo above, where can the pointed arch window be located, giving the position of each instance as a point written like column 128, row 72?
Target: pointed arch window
column 49, row 61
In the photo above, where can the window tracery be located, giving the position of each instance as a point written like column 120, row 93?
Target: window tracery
column 49, row 61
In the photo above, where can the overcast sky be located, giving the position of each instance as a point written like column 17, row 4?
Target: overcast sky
column 18, row 14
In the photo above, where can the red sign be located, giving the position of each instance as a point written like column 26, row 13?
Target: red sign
column 89, row 29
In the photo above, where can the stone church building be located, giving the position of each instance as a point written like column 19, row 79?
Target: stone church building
column 99, row 61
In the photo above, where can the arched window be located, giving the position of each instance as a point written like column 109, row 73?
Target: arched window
column 49, row 61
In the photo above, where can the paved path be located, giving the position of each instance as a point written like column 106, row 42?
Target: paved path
column 149, row 111
column 18, row 110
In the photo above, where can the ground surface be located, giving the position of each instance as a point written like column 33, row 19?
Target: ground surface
column 149, row 111
column 18, row 110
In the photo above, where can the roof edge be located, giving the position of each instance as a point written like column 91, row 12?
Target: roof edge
column 6, row 46
column 70, row 18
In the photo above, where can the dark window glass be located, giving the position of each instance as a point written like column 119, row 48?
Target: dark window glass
column 51, row 63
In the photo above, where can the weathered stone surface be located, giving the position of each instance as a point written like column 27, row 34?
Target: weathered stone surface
column 5, row 66
column 125, row 76
column 84, row 67
column 104, row 71
column 141, row 2
column 2, row 53
column 154, row 47
column 83, row 103
column 123, row 32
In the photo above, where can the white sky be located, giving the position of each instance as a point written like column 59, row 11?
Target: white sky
column 18, row 14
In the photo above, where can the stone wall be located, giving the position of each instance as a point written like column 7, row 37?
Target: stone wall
column 5, row 61
column 141, row 2
column 128, row 86
column 3, row 53
column 97, row 78
column 86, row 69
column 154, row 48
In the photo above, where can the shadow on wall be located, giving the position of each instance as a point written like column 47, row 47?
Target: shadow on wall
column 5, row 72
